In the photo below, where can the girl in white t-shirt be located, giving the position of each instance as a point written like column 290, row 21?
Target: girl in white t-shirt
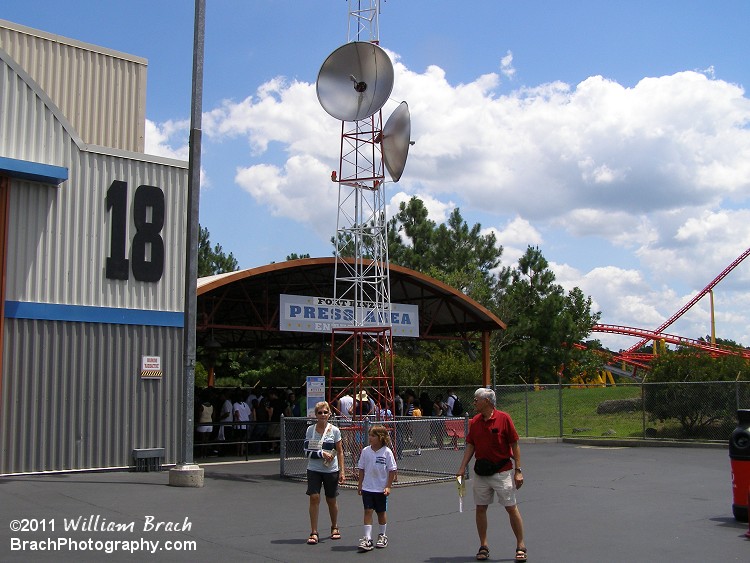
column 377, row 469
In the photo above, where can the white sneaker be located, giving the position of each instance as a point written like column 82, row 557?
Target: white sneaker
column 382, row 541
column 365, row 544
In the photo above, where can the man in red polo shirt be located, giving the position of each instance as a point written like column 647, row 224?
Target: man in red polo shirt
column 494, row 441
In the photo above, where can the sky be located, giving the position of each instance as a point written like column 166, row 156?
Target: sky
column 615, row 136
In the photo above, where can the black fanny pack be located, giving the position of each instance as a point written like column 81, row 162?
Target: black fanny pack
column 485, row 467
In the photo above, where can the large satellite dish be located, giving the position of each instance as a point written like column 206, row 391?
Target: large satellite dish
column 396, row 141
column 355, row 81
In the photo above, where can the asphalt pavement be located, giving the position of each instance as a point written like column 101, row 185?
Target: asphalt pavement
column 579, row 503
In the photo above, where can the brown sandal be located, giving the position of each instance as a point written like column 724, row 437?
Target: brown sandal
column 483, row 554
column 313, row 539
column 335, row 534
column 521, row 554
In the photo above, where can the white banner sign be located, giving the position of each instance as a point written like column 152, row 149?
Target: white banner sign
column 300, row 313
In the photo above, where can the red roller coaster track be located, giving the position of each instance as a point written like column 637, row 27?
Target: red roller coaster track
column 647, row 335
column 636, row 359
column 692, row 302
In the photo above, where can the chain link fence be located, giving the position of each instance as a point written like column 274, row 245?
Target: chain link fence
column 427, row 449
column 430, row 448
column 698, row 411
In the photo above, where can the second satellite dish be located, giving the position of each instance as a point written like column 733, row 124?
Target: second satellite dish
column 355, row 81
column 396, row 141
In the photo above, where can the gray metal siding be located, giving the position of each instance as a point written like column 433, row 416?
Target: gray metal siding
column 29, row 129
column 101, row 92
column 73, row 398
column 58, row 238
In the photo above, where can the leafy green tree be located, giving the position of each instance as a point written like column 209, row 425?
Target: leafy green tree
column 212, row 260
column 543, row 323
column 295, row 256
column 454, row 253
column 431, row 363
column 461, row 248
column 269, row 367
column 724, row 343
column 412, row 222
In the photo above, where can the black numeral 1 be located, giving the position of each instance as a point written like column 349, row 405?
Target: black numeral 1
column 148, row 246
column 117, row 201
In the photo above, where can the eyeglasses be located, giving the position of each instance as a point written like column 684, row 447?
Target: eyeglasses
column 322, row 412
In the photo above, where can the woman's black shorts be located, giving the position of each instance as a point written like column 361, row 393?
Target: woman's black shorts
column 329, row 481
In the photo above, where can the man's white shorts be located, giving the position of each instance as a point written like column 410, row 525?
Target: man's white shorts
column 500, row 483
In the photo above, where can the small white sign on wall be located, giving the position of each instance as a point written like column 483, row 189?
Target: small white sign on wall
column 151, row 367
column 316, row 392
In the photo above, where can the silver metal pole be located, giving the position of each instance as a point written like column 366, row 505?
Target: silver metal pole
column 191, row 259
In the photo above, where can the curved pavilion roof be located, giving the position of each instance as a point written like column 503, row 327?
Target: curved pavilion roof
column 241, row 309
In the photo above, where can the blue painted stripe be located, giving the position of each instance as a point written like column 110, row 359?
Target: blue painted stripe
column 33, row 171
column 85, row 314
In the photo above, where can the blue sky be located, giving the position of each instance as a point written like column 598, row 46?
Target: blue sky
column 613, row 135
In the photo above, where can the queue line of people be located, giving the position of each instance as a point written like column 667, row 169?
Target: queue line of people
column 238, row 417
column 405, row 404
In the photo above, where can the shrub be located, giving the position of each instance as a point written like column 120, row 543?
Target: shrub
column 691, row 387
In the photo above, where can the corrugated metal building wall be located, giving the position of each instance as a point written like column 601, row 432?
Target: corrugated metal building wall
column 76, row 329
column 73, row 398
column 102, row 92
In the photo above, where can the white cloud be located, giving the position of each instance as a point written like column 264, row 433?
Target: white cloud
column 506, row 66
column 168, row 139
column 622, row 229
column 515, row 237
column 302, row 191
column 624, row 296
column 280, row 112
column 659, row 171
column 703, row 246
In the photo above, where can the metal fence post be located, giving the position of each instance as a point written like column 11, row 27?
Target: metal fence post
column 366, row 430
column 643, row 408
column 466, row 427
column 560, row 403
column 526, row 404
column 467, row 473
column 282, row 445
column 737, row 391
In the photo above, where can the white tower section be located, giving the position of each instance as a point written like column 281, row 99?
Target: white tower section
column 361, row 274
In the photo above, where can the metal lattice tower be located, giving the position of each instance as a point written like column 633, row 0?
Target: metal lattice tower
column 361, row 234
column 362, row 356
column 364, row 21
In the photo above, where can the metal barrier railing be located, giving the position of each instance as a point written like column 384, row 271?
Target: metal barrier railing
column 427, row 449
column 241, row 439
